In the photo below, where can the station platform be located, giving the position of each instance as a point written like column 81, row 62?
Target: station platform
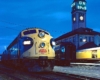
column 92, row 64
column 81, row 71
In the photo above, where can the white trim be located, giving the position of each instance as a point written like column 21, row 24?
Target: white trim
column 96, row 48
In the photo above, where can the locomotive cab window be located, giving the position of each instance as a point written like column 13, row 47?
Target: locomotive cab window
column 43, row 31
column 29, row 32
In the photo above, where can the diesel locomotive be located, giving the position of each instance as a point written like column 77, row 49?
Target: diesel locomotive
column 32, row 49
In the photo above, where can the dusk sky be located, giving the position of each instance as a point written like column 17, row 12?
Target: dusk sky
column 51, row 15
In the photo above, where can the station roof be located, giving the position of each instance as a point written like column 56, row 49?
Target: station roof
column 84, row 31
column 88, row 45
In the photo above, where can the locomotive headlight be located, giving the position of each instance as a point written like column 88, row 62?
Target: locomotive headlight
column 52, row 42
column 42, row 45
column 27, row 42
column 41, row 34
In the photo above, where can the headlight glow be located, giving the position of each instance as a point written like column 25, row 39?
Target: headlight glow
column 41, row 34
column 53, row 43
column 27, row 42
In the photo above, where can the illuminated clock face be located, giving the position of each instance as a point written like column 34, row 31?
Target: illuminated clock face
column 81, row 18
column 74, row 19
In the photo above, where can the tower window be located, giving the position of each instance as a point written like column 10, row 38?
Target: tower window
column 74, row 17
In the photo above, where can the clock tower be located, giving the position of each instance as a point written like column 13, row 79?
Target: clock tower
column 78, row 14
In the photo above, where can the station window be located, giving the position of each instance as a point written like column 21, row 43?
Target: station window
column 73, row 39
column 84, row 39
column 92, row 38
column 81, row 39
column 89, row 39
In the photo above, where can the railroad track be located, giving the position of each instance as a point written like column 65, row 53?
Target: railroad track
column 63, row 76
column 16, row 74
column 19, row 75
column 12, row 77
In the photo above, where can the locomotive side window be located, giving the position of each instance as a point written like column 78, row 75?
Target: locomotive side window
column 63, row 49
column 44, row 32
column 29, row 32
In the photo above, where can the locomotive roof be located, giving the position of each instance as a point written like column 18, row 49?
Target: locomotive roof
column 16, row 39
column 33, row 28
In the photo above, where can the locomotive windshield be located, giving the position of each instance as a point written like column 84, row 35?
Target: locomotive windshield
column 29, row 32
column 43, row 31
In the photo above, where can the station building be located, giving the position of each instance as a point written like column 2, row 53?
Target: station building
column 80, row 34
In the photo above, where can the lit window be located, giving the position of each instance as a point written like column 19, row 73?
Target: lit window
column 85, row 8
column 78, row 7
column 84, row 3
column 73, row 4
column 80, row 2
column 84, row 40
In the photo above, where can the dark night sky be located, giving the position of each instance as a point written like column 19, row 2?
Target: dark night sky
column 51, row 15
